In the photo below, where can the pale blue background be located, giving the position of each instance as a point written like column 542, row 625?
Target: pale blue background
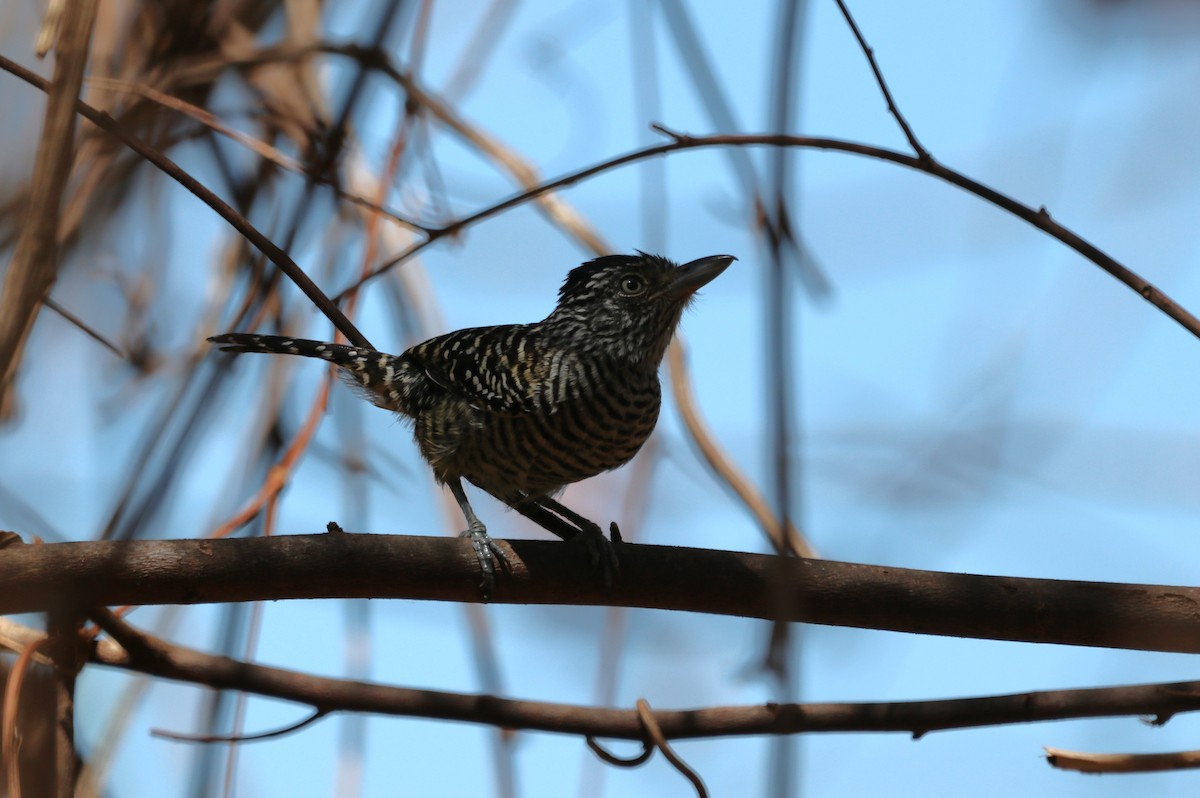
column 974, row 396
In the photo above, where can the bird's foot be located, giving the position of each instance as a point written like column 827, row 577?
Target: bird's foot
column 600, row 551
column 488, row 552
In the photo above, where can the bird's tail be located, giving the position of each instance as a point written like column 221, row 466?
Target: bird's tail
column 383, row 378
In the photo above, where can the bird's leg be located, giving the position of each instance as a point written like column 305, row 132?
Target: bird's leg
column 599, row 549
column 481, row 541
column 548, row 520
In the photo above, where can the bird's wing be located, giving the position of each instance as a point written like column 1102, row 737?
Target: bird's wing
column 492, row 368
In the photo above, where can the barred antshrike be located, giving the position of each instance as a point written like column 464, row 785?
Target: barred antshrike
column 522, row 410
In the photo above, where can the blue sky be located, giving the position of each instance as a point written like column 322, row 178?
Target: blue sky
column 973, row 396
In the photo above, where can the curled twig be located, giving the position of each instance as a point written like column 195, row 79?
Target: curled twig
column 616, row 761
column 660, row 742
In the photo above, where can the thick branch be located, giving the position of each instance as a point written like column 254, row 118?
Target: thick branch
column 1146, row 617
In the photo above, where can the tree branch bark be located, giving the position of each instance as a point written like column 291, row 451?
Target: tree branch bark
column 342, row 565
column 133, row 650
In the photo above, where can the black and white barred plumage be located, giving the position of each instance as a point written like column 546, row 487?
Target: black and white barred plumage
column 522, row 410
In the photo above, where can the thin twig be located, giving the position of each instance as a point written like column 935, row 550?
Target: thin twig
column 616, row 761
column 869, row 52
column 240, row 700
column 654, row 732
column 1038, row 218
column 701, row 72
column 613, row 638
column 138, row 644
column 84, row 328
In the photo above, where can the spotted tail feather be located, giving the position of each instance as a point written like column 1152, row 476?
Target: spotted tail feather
column 384, row 379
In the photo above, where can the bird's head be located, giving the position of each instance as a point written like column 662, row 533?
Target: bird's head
column 627, row 306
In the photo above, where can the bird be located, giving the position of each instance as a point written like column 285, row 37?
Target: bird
column 523, row 410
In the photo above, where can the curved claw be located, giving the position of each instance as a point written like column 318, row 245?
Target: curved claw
column 600, row 551
column 488, row 553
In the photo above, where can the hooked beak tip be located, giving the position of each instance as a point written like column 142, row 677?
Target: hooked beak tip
column 698, row 273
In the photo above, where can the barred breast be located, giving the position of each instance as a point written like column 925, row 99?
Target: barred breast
column 591, row 421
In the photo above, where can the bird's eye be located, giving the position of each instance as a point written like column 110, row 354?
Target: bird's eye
column 632, row 285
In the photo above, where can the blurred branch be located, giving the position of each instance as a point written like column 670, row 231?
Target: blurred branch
column 260, row 148
column 67, row 649
column 131, row 649
column 84, row 328
column 519, row 168
column 222, row 208
column 94, row 573
column 1083, row 762
column 280, row 473
column 703, row 77
column 10, row 731
column 785, row 538
column 487, row 36
column 94, row 772
column 1039, row 218
column 34, row 264
column 775, row 227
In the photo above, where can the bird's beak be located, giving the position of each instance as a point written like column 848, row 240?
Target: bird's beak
column 692, row 276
